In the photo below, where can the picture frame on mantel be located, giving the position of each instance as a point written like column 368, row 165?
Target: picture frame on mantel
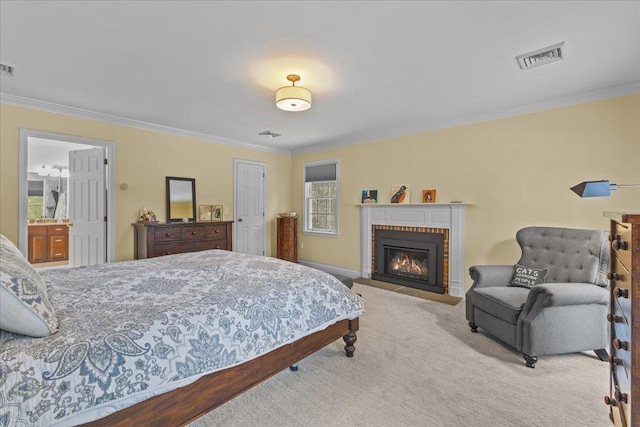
column 401, row 194
column 369, row 196
column 429, row 195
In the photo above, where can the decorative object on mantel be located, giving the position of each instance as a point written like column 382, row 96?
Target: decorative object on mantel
column 429, row 195
column 293, row 98
column 598, row 188
column 287, row 214
column 400, row 194
column 369, row 196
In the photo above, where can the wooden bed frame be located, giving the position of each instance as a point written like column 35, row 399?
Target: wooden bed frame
column 183, row 405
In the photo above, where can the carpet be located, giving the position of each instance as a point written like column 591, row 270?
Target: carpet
column 417, row 364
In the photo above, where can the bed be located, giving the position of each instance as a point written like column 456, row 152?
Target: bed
column 162, row 340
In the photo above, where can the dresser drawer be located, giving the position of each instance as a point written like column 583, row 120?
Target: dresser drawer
column 621, row 245
column 183, row 247
column 193, row 233
column 58, row 230
column 620, row 275
column 216, row 231
column 167, row 234
column 218, row 244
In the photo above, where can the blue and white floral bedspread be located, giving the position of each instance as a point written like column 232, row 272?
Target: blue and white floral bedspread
column 129, row 329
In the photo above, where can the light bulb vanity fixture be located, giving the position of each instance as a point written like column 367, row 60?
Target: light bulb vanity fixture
column 293, row 98
column 598, row 188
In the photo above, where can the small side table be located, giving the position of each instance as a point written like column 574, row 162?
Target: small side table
column 288, row 239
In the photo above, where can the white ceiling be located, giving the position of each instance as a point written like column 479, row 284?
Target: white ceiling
column 376, row 69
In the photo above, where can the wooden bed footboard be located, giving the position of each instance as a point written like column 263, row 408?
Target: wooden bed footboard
column 185, row 404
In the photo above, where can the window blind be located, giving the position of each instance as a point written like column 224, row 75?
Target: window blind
column 326, row 172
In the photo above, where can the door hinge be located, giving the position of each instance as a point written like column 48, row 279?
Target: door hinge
column 263, row 174
column 105, row 218
column 106, row 162
column 263, row 214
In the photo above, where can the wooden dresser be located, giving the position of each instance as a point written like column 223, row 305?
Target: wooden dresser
column 624, row 318
column 154, row 239
column 288, row 239
column 48, row 242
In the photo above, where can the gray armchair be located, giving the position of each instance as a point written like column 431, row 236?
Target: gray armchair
column 565, row 314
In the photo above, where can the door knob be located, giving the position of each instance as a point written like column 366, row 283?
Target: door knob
column 239, row 219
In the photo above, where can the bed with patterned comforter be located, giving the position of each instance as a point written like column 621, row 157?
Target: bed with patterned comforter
column 131, row 330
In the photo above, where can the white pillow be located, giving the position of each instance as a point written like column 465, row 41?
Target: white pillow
column 24, row 305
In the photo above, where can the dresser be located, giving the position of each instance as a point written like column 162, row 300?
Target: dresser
column 288, row 239
column 154, row 239
column 624, row 319
column 48, row 242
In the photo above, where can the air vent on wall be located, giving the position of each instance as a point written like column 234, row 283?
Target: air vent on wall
column 7, row 69
column 542, row 56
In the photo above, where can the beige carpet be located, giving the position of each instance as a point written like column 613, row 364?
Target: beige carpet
column 417, row 364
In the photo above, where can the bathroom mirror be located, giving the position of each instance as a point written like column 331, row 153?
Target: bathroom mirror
column 181, row 199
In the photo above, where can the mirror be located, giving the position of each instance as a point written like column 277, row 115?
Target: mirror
column 181, row 199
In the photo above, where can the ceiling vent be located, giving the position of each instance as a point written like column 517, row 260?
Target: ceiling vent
column 269, row 134
column 542, row 56
column 7, row 70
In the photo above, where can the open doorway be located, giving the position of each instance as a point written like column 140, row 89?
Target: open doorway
column 65, row 206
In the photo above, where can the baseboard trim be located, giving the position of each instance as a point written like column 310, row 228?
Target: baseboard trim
column 330, row 268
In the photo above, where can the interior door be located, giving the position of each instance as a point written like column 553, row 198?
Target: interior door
column 87, row 235
column 250, row 235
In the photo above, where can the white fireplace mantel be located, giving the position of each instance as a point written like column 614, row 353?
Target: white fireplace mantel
column 433, row 215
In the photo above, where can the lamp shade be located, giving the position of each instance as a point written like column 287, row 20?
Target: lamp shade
column 594, row 189
column 293, row 98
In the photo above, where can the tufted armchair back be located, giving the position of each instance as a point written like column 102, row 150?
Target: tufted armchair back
column 572, row 255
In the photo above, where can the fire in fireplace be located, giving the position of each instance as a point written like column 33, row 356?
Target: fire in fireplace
column 409, row 258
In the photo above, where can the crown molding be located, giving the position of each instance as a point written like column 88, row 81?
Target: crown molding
column 51, row 107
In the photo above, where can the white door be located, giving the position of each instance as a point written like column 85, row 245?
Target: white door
column 87, row 235
column 250, row 222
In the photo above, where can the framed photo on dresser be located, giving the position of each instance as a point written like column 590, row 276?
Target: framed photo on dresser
column 205, row 213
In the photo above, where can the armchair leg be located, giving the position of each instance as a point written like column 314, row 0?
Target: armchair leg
column 602, row 354
column 531, row 360
column 474, row 327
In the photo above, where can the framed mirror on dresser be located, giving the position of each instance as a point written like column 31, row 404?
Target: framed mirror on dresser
column 181, row 199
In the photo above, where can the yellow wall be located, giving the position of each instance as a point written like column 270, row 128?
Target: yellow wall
column 516, row 171
column 144, row 159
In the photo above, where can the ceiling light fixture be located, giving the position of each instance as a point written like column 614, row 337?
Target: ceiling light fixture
column 293, row 98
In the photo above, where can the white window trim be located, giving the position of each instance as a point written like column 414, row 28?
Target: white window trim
column 305, row 230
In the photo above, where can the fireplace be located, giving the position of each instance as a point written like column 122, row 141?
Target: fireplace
column 413, row 258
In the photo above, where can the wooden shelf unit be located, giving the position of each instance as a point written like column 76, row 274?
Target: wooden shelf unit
column 288, row 239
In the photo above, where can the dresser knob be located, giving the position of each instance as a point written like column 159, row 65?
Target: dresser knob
column 167, row 234
column 621, row 292
column 217, row 231
column 168, row 253
column 615, row 360
column 618, row 244
column 614, row 319
column 622, row 397
column 218, row 247
column 614, row 276
column 193, row 233
column 620, row 345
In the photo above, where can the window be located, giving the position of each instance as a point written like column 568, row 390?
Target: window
column 321, row 197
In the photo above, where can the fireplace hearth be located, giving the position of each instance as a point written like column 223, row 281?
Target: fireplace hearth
column 409, row 258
